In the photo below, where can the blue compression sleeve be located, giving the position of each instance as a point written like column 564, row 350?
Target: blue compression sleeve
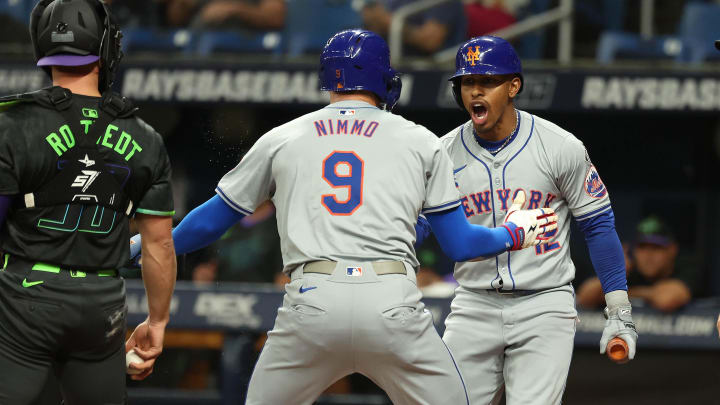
column 5, row 201
column 606, row 252
column 422, row 231
column 462, row 241
column 204, row 225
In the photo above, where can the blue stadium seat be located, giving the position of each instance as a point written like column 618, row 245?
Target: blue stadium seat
column 614, row 44
column 699, row 28
column 152, row 39
column 310, row 23
column 237, row 41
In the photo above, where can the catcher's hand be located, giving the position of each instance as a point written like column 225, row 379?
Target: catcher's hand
column 619, row 323
column 526, row 227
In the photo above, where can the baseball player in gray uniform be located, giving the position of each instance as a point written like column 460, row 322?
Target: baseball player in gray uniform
column 513, row 318
column 348, row 182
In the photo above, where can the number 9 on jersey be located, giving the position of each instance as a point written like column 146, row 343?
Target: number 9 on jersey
column 342, row 169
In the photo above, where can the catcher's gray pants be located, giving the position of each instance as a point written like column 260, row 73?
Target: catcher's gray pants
column 522, row 343
column 333, row 325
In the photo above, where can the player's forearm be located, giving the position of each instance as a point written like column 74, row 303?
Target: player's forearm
column 669, row 295
column 204, row 225
column 462, row 241
column 606, row 251
column 159, row 268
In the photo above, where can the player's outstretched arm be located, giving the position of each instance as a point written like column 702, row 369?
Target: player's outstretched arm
column 204, row 225
column 201, row 227
column 462, row 241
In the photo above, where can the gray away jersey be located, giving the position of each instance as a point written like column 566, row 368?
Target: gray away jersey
column 554, row 170
column 348, row 182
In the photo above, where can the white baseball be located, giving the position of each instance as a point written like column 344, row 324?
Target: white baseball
column 132, row 357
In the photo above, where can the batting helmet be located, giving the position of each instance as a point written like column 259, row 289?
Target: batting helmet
column 76, row 33
column 487, row 55
column 359, row 60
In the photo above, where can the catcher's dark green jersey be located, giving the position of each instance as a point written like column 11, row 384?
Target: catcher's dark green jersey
column 34, row 144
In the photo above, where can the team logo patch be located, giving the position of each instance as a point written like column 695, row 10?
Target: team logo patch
column 354, row 271
column 472, row 56
column 347, row 112
column 594, row 186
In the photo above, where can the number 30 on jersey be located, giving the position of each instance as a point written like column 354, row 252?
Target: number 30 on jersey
column 343, row 170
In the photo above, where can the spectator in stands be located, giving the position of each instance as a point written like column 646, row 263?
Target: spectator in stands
column 487, row 16
column 429, row 31
column 266, row 15
column 654, row 273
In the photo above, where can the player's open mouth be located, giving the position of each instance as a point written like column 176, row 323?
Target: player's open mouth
column 479, row 113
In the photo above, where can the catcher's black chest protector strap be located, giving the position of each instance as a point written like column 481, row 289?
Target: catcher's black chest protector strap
column 84, row 177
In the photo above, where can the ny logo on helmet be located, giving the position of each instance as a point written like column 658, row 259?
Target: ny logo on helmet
column 473, row 56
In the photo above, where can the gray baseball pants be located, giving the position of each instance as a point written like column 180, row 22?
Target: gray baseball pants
column 521, row 343
column 333, row 325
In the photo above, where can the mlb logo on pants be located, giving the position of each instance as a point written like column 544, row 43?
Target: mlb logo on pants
column 354, row 271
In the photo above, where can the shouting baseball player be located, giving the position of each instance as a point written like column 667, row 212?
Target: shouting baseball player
column 348, row 182
column 513, row 318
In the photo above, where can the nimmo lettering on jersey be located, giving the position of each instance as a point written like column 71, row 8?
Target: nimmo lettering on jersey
column 354, row 271
column 594, row 186
column 345, row 127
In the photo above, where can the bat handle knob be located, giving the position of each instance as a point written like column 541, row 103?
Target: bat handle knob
column 617, row 350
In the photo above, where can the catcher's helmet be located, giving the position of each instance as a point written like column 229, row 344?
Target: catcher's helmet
column 359, row 60
column 76, row 33
column 487, row 55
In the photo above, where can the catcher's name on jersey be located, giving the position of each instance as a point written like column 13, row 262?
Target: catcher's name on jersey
column 113, row 138
column 553, row 168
